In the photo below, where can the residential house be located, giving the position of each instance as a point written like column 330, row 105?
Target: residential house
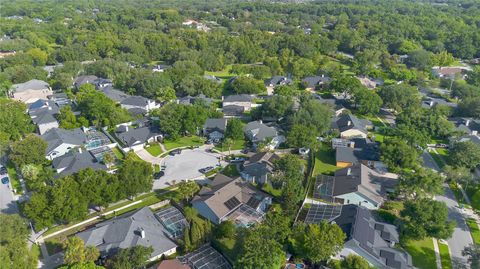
column 241, row 100
column 472, row 138
column 61, row 99
column 138, row 228
column 215, row 128
column 89, row 79
column 449, row 72
column 371, row 239
column 61, row 141
column 190, row 100
column 30, row 91
column 115, row 95
column 258, row 167
column 173, row 264
column 336, row 104
column 350, row 126
column 276, row 81
column 257, row 132
column 139, row 102
column 359, row 150
column 213, row 78
column 136, row 138
column 370, row 83
column 7, row 53
column 429, row 102
column 467, row 125
column 316, row 82
column 102, row 83
column 358, row 185
column 74, row 161
column 43, row 114
column 231, row 199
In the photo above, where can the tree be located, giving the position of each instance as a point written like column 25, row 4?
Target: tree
column 276, row 107
column 258, row 252
column 420, row 183
column 88, row 265
column 13, row 119
column 472, row 252
column 226, row 229
column 234, row 129
column 77, row 253
column 469, row 107
column 313, row 114
column 426, row 218
column 317, row 242
column 369, row 102
column 397, row 154
column 14, row 252
column 228, row 142
column 457, row 175
column 353, row 261
column 131, row 258
column 187, row 189
column 247, row 85
column 136, row 175
column 399, row 96
column 302, row 136
column 30, row 150
column 420, row 59
column 108, row 159
column 345, row 85
column 465, row 154
column 67, row 119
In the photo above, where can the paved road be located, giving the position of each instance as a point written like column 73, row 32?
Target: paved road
column 429, row 162
column 461, row 235
column 8, row 205
column 186, row 165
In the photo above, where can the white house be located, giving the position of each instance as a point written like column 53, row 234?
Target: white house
column 61, row 141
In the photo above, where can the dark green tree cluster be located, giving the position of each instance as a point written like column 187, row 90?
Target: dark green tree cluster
column 130, row 258
column 14, row 252
column 234, row 129
column 198, row 231
column 247, row 85
column 289, row 178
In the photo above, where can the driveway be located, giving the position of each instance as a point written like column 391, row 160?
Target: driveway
column 461, row 235
column 8, row 204
column 185, row 166
column 429, row 162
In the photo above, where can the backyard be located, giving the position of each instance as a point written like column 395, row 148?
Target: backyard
column 325, row 161
column 423, row 254
column 185, row 141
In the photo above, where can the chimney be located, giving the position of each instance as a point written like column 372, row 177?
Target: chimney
column 349, row 123
column 79, row 150
column 323, row 75
column 126, row 128
column 467, row 122
column 142, row 233
column 431, row 103
column 349, row 171
column 260, row 121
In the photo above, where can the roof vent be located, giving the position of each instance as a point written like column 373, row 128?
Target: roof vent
column 349, row 123
column 349, row 171
column 142, row 233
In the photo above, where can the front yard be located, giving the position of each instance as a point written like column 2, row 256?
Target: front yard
column 445, row 256
column 12, row 175
column 423, row 254
column 237, row 145
column 325, row 161
column 474, row 231
column 154, row 149
column 186, row 141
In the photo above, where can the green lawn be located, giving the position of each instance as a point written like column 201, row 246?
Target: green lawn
column 228, row 247
column 231, row 171
column 154, row 149
column 237, row 145
column 445, row 256
column 268, row 188
column 118, row 153
column 423, row 255
column 223, row 74
column 186, row 141
column 325, row 161
column 474, row 231
column 437, row 159
column 12, row 174
column 458, row 194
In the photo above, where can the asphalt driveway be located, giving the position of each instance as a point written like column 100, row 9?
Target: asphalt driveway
column 461, row 235
column 185, row 166
column 8, row 205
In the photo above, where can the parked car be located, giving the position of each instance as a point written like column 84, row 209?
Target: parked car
column 206, row 169
column 237, row 160
column 175, row 152
column 442, row 146
column 5, row 180
column 303, row 151
column 3, row 170
column 158, row 175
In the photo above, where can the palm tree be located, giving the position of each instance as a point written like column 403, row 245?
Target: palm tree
column 229, row 143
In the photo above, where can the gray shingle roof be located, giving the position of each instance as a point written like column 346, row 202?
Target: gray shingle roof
column 114, row 94
column 312, row 82
column 33, row 84
column 257, row 131
column 124, row 232
column 137, row 136
column 79, row 81
column 349, row 121
column 73, row 162
column 135, row 101
column 57, row 136
column 215, row 124
column 278, row 80
column 238, row 98
column 43, row 111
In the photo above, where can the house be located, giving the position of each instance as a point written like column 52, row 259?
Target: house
column 233, row 111
column 215, row 128
column 43, row 114
column 115, row 95
column 138, row 228
column 30, row 91
column 230, row 199
column 61, row 99
column 102, row 83
column 358, row 185
column 276, row 81
column 189, row 100
column 258, row 167
column 257, row 132
column 213, row 78
column 359, row 150
column 449, row 72
column 370, row 83
column 7, row 53
column 429, row 102
column 140, row 102
column 373, row 240
column 240, row 100
column 472, row 138
column 467, row 126
column 79, row 81
column 350, row 126
column 316, row 82
column 61, row 141
column 136, row 138
column 72, row 162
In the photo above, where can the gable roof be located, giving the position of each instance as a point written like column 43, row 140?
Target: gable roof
column 135, row 100
column 224, row 196
column 260, row 164
column 43, row 111
column 349, row 121
column 114, row 94
column 137, row 136
column 364, row 151
column 257, row 131
column 33, row 84
column 238, row 98
column 73, row 162
column 216, row 124
column 278, row 80
column 57, row 136
column 79, row 81
column 125, row 232
column 313, row 81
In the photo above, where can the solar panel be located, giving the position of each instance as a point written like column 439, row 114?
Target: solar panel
column 232, row 203
column 322, row 212
column 253, row 202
